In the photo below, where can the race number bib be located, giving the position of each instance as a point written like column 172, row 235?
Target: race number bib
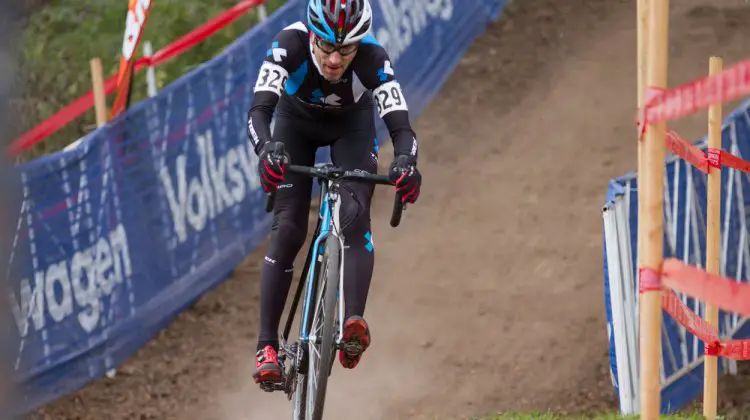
column 271, row 78
column 389, row 98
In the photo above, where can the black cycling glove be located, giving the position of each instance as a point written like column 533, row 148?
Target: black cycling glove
column 404, row 174
column 272, row 161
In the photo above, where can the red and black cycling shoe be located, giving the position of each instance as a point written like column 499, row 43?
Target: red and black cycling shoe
column 267, row 368
column 355, row 340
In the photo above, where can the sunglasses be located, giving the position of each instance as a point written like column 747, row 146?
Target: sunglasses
column 329, row 48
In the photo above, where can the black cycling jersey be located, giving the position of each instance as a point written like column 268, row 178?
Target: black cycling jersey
column 290, row 73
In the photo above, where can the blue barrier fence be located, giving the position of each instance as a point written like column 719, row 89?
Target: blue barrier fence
column 684, row 238
column 118, row 235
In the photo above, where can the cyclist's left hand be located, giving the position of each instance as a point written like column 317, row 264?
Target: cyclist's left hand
column 404, row 174
column 272, row 167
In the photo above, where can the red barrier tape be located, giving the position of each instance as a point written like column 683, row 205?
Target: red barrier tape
column 78, row 107
column 671, row 104
column 641, row 121
column 721, row 292
column 198, row 34
column 735, row 349
column 687, row 151
column 731, row 161
column 714, row 158
column 691, row 153
column 673, row 305
column 648, row 280
column 713, row 349
column 687, row 318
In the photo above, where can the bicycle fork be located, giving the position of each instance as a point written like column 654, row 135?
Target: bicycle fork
column 330, row 213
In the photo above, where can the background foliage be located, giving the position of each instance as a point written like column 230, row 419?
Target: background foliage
column 62, row 36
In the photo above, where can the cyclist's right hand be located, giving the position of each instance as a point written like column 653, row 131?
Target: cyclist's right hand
column 272, row 161
column 404, row 174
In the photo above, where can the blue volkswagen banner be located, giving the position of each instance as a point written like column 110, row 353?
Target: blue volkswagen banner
column 120, row 233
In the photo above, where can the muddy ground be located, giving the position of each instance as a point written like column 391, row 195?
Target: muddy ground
column 489, row 296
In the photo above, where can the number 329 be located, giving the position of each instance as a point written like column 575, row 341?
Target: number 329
column 389, row 100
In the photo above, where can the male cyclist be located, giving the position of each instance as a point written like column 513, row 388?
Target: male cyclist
column 321, row 79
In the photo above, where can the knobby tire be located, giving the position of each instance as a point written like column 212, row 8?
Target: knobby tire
column 327, row 349
column 300, row 397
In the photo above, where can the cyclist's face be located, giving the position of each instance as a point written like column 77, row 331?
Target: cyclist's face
column 333, row 59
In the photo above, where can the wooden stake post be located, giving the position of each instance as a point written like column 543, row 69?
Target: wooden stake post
column 713, row 234
column 642, row 22
column 653, row 220
column 97, row 80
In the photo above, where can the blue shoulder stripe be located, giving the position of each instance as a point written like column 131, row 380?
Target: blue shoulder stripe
column 369, row 39
column 295, row 79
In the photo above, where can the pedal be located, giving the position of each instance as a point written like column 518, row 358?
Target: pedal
column 352, row 348
column 269, row 386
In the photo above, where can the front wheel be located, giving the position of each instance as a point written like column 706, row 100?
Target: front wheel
column 324, row 329
column 300, row 387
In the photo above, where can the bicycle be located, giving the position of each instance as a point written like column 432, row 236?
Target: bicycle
column 311, row 357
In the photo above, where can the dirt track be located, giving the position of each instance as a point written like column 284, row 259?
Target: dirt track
column 491, row 289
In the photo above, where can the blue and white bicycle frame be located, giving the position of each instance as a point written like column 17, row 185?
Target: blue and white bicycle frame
column 329, row 228
column 320, row 333
column 310, row 345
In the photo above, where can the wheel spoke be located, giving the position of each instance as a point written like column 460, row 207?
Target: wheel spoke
column 321, row 340
column 314, row 343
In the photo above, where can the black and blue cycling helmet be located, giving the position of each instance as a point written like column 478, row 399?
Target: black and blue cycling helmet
column 340, row 21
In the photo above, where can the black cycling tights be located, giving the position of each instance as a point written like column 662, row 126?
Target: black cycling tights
column 353, row 146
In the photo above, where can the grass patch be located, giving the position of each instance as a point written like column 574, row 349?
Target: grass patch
column 604, row 416
column 61, row 38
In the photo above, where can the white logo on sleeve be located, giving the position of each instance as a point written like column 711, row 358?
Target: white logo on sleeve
column 386, row 71
column 388, row 68
column 277, row 52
